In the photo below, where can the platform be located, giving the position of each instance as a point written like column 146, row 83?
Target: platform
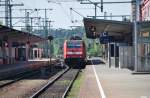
column 89, row 88
column 100, row 81
column 20, row 67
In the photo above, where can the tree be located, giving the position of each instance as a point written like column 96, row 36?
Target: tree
column 1, row 22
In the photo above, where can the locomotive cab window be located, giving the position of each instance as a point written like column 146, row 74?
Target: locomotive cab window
column 74, row 44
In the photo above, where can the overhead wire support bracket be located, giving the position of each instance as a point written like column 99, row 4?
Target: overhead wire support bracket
column 90, row 2
column 114, row 2
column 95, row 5
column 13, row 4
column 8, row 12
column 113, row 16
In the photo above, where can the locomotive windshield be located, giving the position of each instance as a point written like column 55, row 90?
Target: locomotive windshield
column 74, row 44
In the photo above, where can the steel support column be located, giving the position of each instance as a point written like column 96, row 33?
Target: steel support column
column 95, row 4
column 10, row 51
column 115, row 54
column 109, row 55
column 136, row 34
column 27, row 52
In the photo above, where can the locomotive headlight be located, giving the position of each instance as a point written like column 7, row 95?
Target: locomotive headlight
column 74, row 52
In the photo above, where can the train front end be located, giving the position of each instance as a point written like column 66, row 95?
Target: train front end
column 75, row 53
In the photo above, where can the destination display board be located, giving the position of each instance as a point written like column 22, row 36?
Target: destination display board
column 105, row 38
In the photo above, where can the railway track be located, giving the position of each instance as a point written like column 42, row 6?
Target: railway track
column 59, row 86
column 26, row 87
column 12, row 79
column 7, row 80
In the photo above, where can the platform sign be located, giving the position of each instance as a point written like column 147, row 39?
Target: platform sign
column 104, row 34
column 105, row 38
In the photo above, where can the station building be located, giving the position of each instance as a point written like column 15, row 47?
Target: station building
column 145, row 10
column 117, row 38
column 144, row 36
column 16, row 46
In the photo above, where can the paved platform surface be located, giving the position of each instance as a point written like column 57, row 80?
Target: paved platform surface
column 120, row 83
column 115, row 83
column 89, row 88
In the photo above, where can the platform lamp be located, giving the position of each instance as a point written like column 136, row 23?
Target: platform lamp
column 50, row 38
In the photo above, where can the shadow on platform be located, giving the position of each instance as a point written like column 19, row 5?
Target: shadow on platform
column 95, row 62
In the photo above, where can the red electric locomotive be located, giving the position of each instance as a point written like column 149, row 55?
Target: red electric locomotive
column 75, row 53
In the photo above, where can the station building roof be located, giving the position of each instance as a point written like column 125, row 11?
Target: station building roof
column 120, row 30
column 14, row 35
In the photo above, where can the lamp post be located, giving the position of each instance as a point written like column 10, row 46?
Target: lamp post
column 50, row 38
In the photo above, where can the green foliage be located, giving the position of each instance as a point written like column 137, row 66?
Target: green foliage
column 60, row 35
column 94, row 49
column 1, row 22
column 74, row 92
column 52, row 48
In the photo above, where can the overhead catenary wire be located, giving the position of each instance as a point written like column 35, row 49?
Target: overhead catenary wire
column 71, row 16
column 65, row 12
column 62, row 8
column 65, row 0
column 77, row 12
column 75, row 21
column 21, row 19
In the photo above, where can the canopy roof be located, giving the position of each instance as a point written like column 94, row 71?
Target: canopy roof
column 18, row 36
column 119, row 30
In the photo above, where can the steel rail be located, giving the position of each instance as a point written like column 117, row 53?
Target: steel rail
column 39, row 92
column 70, row 85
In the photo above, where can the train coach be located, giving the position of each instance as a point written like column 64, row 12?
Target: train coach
column 75, row 53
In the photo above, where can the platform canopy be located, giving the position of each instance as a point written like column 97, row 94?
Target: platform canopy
column 145, row 26
column 13, row 35
column 119, row 30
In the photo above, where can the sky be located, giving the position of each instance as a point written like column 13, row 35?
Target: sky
column 61, row 15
